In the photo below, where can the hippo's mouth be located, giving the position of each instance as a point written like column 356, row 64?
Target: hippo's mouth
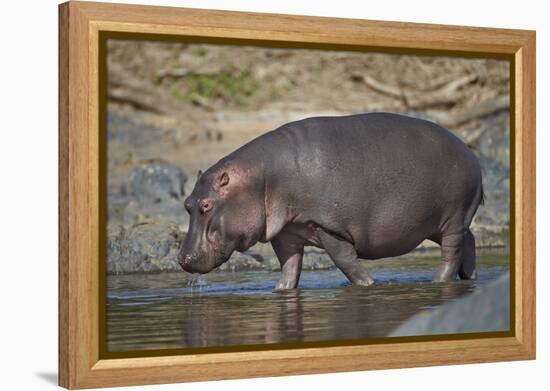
column 194, row 267
column 221, row 258
column 194, row 263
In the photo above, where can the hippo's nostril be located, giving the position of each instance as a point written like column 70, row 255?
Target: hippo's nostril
column 184, row 260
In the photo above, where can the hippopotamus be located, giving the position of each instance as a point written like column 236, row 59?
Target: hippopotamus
column 363, row 186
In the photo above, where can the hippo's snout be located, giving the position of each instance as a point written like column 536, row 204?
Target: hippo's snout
column 192, row 263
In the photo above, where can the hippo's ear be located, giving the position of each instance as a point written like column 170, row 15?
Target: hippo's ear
column 199, row 174
column 223, row 179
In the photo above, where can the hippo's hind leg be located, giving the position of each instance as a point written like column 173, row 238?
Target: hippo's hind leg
column 452, row 250
column 344, row 256
column 289, row 251
column 467, row 270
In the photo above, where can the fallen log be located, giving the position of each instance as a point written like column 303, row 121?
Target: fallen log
column 481, row 109
column 438, row 82
column 139, row 100
column 472, row 138
column 175, row 73
column 381, row 87
column 124, row 88
column 446, row 94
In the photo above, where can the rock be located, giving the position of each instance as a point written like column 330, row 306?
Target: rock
column 155, row 182
column 240, row 262
column 496, row 185
column 488, row 236
column 153, row 191
column 124, row 130
column 145, row 247
column 316, row 259
column 170, row 211
column 487, row 309
column 494, row 142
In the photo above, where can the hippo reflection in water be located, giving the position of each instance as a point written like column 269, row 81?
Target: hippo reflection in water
column 362, row 186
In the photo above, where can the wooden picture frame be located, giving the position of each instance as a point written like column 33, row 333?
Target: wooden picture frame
column 81, row 364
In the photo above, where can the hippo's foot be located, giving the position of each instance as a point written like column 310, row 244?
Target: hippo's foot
column 467, row 270
column 283, row 287
column 446, row 272
column 452, row 250
column 365, row 282
column 357, row 273
column 287, row 282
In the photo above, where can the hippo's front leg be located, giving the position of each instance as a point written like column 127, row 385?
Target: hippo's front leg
column 290, row 251
column 344, row 256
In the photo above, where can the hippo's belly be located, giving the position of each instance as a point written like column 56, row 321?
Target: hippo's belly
column 382, row 242
column 387, row 247
column 395, row 235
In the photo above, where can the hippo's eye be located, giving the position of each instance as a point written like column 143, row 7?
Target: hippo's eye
column 205, row 206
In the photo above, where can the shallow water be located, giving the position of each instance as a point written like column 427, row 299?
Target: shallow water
column 177, row 310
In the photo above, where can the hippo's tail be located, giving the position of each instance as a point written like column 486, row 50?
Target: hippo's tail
column 482, row 201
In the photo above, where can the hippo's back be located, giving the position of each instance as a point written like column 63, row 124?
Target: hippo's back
column 389, row 150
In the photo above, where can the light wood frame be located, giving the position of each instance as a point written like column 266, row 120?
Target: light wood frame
column 80, row 23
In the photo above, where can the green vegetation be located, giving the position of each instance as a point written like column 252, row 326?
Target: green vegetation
column 200, row 51
column 231, row 87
